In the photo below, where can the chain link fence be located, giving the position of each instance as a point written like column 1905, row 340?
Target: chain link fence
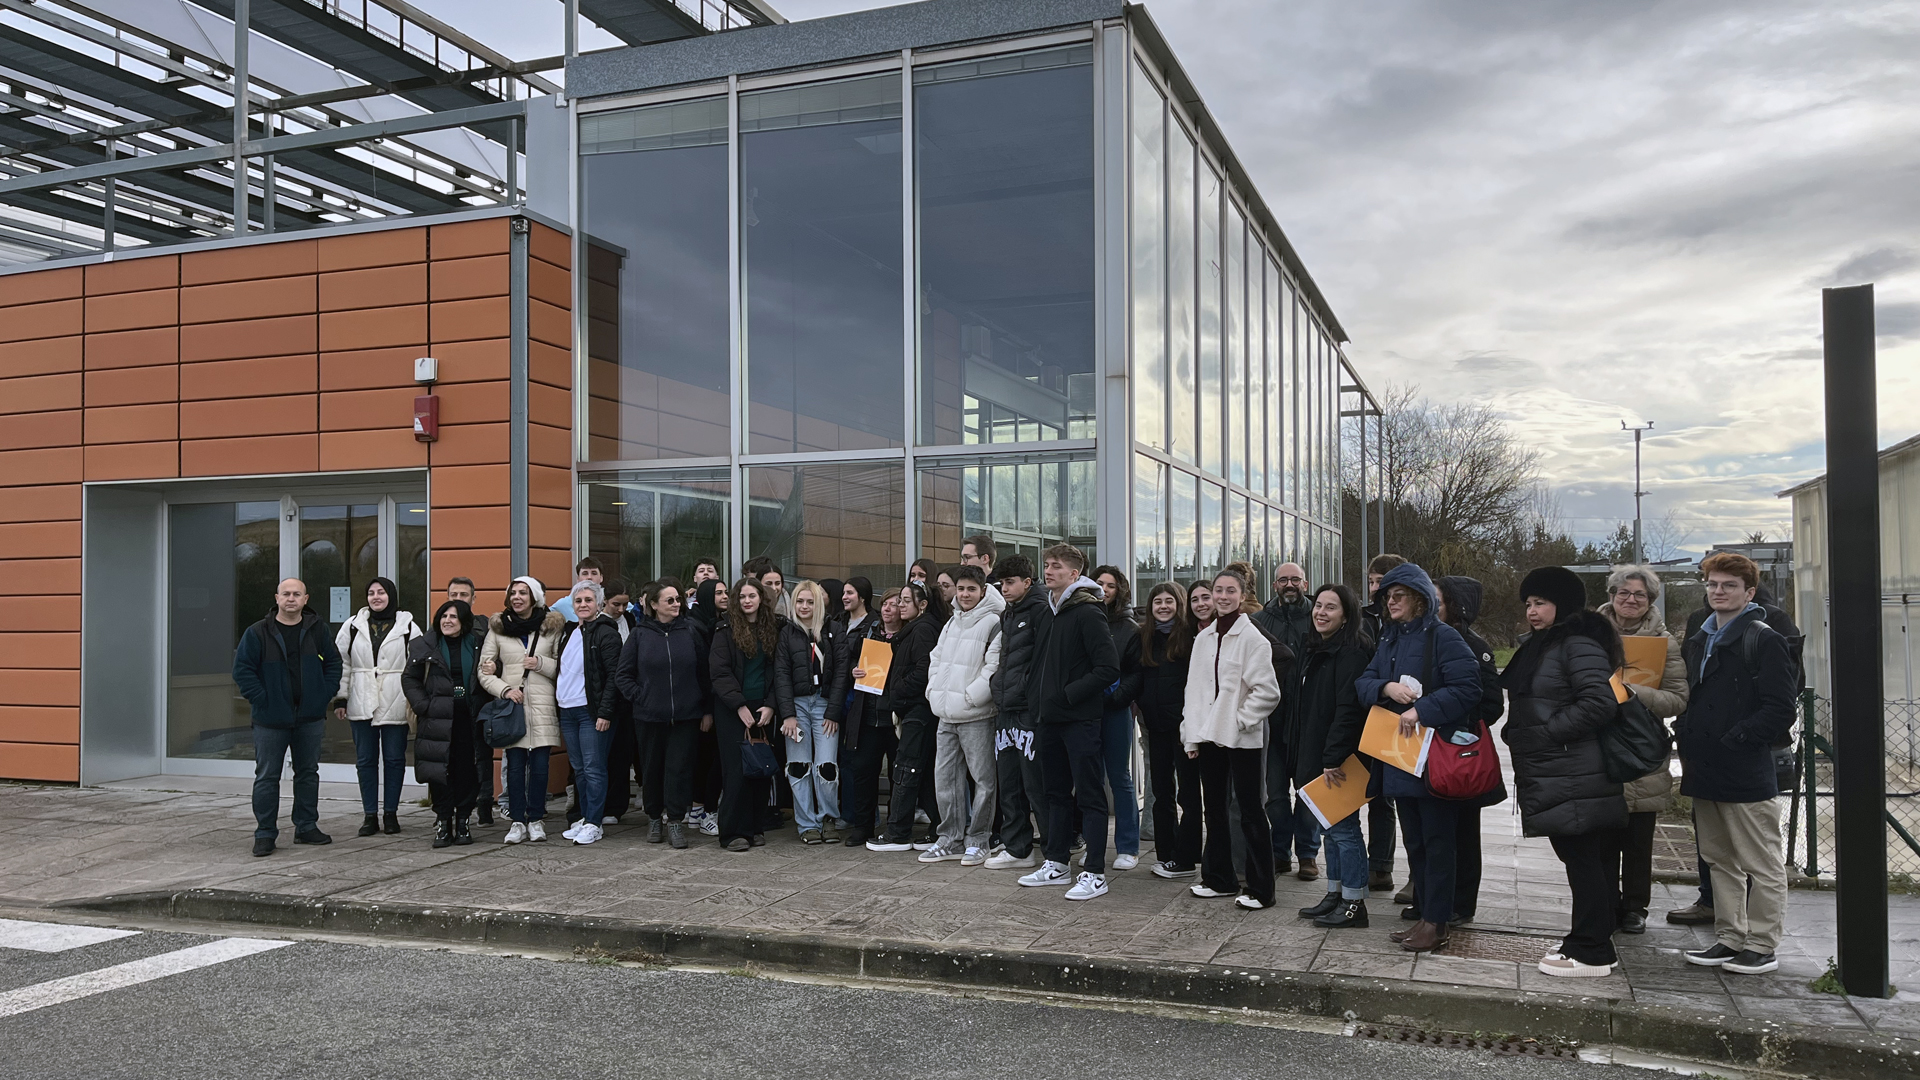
column 1810, row 847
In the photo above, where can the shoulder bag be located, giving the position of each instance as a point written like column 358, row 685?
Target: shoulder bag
column 756, row 757
column 503, row 721
column 1636, row 743
column 1460, row 773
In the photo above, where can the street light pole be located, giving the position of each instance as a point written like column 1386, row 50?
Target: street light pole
column 1639, row 547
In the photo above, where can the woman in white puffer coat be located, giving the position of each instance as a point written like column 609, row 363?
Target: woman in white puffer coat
column 373, row 652
column 959, row 689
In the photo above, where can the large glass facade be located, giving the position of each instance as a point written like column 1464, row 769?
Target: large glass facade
column 1212, row 378
column 829, row 520
column 1003, row 158
column 1181, row 274
column 1147, row 214
column 1149, row 521
column 1025, row 505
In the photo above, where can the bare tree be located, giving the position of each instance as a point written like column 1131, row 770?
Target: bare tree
column 1666, row 538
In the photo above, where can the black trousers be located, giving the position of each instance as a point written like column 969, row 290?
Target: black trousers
column 482, row 768
column 912, row 779
column 623, row 764
column 1432, row 830
column 1636, row 862
column 1177, row 812
column 461, row 792
column 743, row 800
column 668, row 754
column 1231, row 776
column 1593, row 874
column 706, row 767
column 1380, row 815
column 1022, row 787
column 1073, row 772
column 1466, row 862
column 860, row 775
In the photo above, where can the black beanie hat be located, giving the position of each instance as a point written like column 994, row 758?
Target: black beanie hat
column 1557, row 585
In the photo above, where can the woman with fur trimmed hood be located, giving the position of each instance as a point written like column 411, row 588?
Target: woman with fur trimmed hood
column 1561, row 699
column 521, row 660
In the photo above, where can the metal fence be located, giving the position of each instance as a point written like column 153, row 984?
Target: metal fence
column 1810, row 820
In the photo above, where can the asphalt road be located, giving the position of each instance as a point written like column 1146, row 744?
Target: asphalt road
column 263, row 1009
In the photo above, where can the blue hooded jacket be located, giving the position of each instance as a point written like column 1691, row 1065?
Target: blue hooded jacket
column 1450, row 686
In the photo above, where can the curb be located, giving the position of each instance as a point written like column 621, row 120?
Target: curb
column 1798, row 1048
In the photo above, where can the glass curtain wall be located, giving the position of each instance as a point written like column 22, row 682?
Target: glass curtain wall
column 829, row 521
column 1212, row 377
column 1149, row 521
column 1181, row 282
column 660, row 525
column 1026, row 506
column 1147, row 212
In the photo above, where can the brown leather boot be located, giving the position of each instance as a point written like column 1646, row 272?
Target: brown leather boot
column 1424, row 937
column 1309, row 870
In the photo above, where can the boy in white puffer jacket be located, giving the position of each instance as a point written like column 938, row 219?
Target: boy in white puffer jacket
column 959, row 677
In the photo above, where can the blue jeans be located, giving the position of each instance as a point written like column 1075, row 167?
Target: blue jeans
column 526, row 780
column 587, row 752
column 270, row 747
column 813, row 769
column 374, row 744
column 1346, row 857
column 1116, row 743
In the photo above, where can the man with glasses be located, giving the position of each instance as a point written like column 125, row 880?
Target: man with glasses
column 1288, row 619
column 1740, row 703
column 981, row 551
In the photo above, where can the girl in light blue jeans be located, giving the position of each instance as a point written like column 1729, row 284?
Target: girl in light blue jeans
column 813, row 741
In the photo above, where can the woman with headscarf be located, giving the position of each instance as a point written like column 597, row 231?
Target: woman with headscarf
column 373, row 651
column 1559, row 684
column 520, row 660
column 442, row 683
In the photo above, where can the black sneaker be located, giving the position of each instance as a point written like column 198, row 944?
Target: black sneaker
column 657, row 831
column 1173, row 871
column 262, row 845
column 312, row 836
column 1714, row 957
column 1752, row 963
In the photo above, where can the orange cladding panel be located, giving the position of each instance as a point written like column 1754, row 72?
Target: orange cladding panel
column 248, row 416
column 469, row 238
column 269, row 454
column 133, row 461
column 40, row 761
column 283, row 336
column 277, row 258
column 133, row 386
column 56, row 318
column 40, row 393
column 40, row 357
column 385, row 286
column 264, row 377
column 265, row 298
column 20, row 468
column 55, row 502
column 38, row 286
column 386, row 247
column 133, row 275
column 134, row 348
column 32, row 612
column 391, row 449
column 40, row 723
column 133, row 423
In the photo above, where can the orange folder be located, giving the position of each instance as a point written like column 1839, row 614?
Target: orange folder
column 1381, row 741
column 874, row 658
column 1620, row 691
column 1332, row 805
column 1646, row 659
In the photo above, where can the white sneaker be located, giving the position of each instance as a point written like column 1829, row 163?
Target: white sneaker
column 973, row 857
column 1205, row 893
column 1004, row 861
column 609, row 820
column 995, row 850
column 537, row 831
column 518, row 833
column 1050, row 873
column 940, row 853
column 1125, row 862
column 709, row 825
column 573, row 830
column 1088, row 887
column 883, row 845
column 1567, row 967
column 589, row 832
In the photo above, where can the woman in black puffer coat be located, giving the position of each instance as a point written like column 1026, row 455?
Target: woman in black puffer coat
column 1156, row 663
column 1561, row 699
column 442, row 685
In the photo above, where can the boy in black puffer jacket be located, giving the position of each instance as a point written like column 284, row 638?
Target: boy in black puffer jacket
column 1016, row 754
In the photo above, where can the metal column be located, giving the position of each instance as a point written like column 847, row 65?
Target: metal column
column 517, row 392
column 1853, row 558
column 242, row 19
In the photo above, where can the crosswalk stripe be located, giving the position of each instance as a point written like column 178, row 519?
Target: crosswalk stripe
column 132, row 973
column 54, row 937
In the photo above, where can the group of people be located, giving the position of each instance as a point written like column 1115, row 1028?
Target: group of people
column 1008, row 712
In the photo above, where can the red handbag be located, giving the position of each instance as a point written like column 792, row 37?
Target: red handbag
column 1463, row 772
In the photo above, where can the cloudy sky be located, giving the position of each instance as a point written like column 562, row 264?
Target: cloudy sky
column 1579, row 212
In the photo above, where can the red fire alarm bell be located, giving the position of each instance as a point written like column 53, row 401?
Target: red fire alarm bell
column 426, row 418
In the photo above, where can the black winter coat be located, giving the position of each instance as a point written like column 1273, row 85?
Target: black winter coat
column 1019, row 630
column 429, row 687
column 600, row 660
column 1289, row 624
column 663, row 671
column 906, row 693
column 803, row 674
column 854, row 709
column 1554, row 728
column 1126, row 642
column 1736, row 713
column 1074, row 658
column 1324, row 714
column 1162, row 686
column 727, row 664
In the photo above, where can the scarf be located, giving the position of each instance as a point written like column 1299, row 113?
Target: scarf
column 515, row 626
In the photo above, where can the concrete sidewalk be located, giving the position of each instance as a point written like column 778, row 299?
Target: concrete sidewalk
column 64, row 844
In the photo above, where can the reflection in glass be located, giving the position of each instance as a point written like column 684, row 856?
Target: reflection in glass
column 1279, row 387
column 1239, row 531
column 1213, row 551
column 1149, row 255
column 1183, row 539
column 654, row 199
column 1180, row 293
column 1212, row 381
column 1276, row 542
column 1025, row 506
column 1258, row 537
column 648, row 526
column 223, row 565
column 820, row 255
column 829, row 521
column 1235, row 425
column 339, row 558
column 1259, row 412
column 1149, row 521
column 1004, row 160
column 410, row 560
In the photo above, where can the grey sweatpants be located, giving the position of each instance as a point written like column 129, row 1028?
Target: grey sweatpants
column 962, row 750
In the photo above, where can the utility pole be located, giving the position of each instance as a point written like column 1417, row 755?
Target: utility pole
column 1639, row 545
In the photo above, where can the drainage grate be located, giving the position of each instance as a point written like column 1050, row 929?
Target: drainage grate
column 1492, row 945
column 1508, row 1046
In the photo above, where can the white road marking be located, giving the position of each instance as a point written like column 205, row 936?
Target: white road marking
column 54, row 937
column 74, row 987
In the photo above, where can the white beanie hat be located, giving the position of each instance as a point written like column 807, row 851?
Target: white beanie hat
column 539, row 591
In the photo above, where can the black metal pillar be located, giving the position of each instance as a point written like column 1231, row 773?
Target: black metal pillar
column 1853, row 559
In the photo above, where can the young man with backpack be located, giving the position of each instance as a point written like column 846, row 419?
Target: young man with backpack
column 1740, row 675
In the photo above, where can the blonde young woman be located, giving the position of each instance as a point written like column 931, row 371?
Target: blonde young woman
column 807, row 647
column 521, row 661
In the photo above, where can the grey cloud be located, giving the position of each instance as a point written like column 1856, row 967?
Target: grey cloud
column 1898, row 321
column 1872, row 266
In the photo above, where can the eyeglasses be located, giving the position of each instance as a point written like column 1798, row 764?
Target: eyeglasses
column 668, row 600
column 1627, row 594
column 1726, row 586
column 1291, row 580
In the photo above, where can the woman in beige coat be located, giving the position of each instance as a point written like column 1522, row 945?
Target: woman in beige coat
column 1633, row 606
column 520, row 661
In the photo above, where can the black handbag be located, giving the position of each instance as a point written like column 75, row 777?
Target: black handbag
column 756, row 758
column 1635, row 744
column 503, row 722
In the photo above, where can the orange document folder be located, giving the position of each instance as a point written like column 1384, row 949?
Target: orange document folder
column 1332, row 805
column 1381, row 741
column 1620, row 691
column 874, row 658
column 1646, row 659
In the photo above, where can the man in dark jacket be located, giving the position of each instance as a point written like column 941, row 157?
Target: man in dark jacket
column 1288, row 619
column 288, row 669
column 1740, row 677
column 1074, row 663
column 1017, row 761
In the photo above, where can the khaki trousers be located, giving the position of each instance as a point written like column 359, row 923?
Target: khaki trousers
column 1741, row 841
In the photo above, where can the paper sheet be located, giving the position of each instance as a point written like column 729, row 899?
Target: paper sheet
column 1382, row 741
column 1646, row 659
column 1332, row 805
column 874, row 658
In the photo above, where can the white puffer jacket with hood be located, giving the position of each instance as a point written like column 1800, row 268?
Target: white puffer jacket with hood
column 960, row 671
